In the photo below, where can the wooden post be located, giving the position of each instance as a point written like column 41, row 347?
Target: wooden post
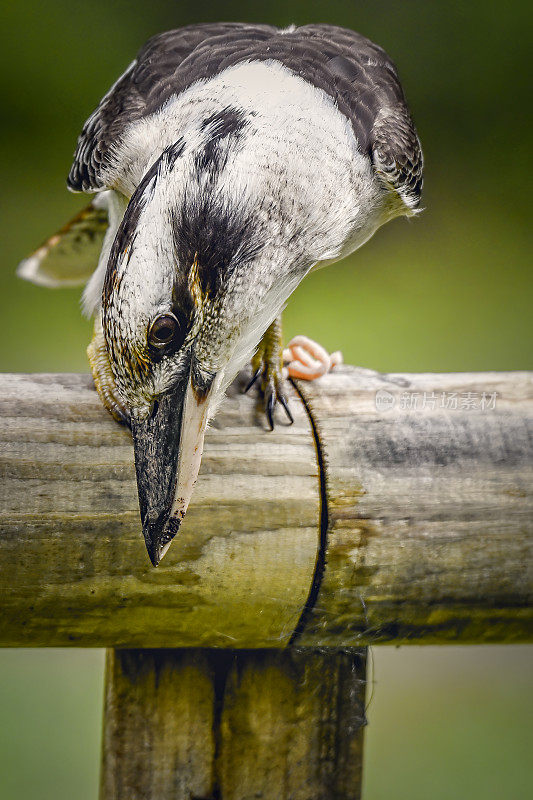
column 233, row 725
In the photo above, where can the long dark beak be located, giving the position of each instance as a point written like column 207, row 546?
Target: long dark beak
column 168, row 449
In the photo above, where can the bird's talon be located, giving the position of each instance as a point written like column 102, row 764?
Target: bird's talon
column 253, row 379
column 285, row 404
column 267, row 366
column 120, row 415
column 270, row 404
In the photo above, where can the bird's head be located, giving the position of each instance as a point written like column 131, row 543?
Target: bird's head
column 173, row 308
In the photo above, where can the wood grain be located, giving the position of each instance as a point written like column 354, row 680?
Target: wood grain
column 430, row 501
column 237, row 725
column 72, row 558
column 429, row 529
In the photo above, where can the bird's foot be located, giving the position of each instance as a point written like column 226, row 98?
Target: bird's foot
column 267, row 370
column 103, row 377
column 308, row 360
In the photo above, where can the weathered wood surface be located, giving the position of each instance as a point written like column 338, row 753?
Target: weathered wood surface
column 429, row 519
column 73, row 564
column 237, row 725
column 430, row 503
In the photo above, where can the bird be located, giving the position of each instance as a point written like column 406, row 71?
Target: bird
column 226, row 163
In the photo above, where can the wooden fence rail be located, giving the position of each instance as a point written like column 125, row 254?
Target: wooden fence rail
column 414, row 524
column 396, row 508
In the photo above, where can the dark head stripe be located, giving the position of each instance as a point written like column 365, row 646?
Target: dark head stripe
column 214, row 238
column 125, row 237
column 221, row 128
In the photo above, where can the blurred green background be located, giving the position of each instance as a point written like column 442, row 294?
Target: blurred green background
column 450, row 290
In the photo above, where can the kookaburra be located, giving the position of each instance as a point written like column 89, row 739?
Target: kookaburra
column 227, row 162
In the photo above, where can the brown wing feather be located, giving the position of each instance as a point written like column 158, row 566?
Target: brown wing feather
column 144, row 87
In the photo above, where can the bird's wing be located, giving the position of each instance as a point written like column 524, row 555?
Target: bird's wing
column 367, row 89
column 358, row 74
column 70, row 256
column 163, row 68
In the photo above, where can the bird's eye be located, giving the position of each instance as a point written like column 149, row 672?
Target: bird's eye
column 163, row 331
